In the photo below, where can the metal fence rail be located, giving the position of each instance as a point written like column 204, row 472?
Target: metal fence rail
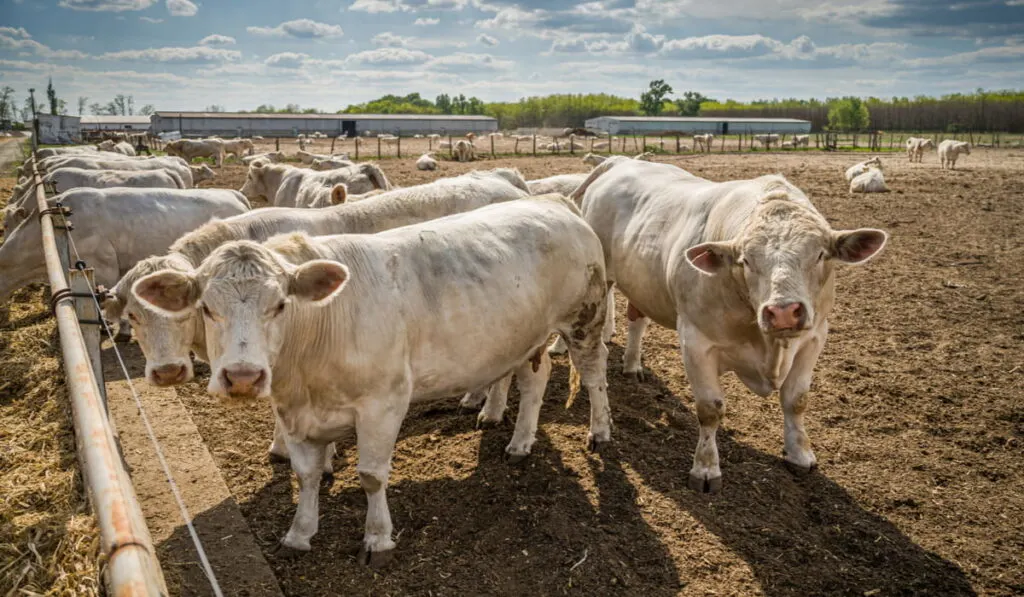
column 131, row 564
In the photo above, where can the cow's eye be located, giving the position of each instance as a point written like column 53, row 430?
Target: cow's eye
column 821, row 257
column 278, row 309
column 132, row 317
column 206, row 312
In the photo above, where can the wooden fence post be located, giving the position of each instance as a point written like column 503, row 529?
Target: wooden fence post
column 378, row 148
column 451, row 148
column 356, row 143
column 398, row 146
column 333, row 139
column 277, row 143
column 535, row 144
column 492, row 144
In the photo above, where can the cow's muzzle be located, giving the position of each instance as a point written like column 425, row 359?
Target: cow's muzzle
column 784, row 317
column 244, row 381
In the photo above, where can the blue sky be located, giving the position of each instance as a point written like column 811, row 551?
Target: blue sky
column 187, row 54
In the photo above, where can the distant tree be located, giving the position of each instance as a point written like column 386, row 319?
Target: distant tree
column 265, row 109
column 51, row 95
column 444, row 103
column 26, row 110
column 214, row 108
column 82, row 101
column 291, row 109
column 131, row 105
column 7, row 108
column 689, row 104
column 97, row 109
column 62, row 107
column 849, row 114
column 147, row 110
column 652, row 100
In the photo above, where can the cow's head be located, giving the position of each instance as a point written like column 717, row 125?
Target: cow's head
column 783, row 261
column 202, row 172
column 166, row 338
column 255, row 180
column 245, row 292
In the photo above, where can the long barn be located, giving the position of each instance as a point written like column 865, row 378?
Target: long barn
column 653, row 125
column 201, row 124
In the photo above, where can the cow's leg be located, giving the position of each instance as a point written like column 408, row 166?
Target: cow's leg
column 474, row 400
column 377, row 428
column 797, row 452
column 590, row 358
column 558, row 346
column 632, row 366
column 279, row 445
column 497, row 400
column 307, row 461
column 531, row 379
column 609, row 318
column 702, row 371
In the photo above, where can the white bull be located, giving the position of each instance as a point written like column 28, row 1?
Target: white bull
column 744, row 271
column 190, row 149
column 526, row 268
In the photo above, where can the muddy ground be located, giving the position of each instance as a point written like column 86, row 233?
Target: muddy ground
column 916, row 417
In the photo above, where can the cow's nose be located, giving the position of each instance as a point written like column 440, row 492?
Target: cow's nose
column 243, row 380
column 790, row 316
column 168, row 375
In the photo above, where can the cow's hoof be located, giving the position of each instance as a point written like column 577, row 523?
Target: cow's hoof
column 701, row 484
column 485, row 422
column 374, row 559
column 327, row 478
column 275, row 457
column 635, row 376
column 595, row 444
column 800, row 470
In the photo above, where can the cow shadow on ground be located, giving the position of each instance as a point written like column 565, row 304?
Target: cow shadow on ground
column 469, row 523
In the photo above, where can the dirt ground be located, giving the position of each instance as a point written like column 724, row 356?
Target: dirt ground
column 916, row 417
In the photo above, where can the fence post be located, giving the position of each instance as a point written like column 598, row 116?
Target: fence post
column 378, row 148
column 81, row 282
column 277, row 143
column 398, row 146
column 451, row 148
column 333, row 139
column 534, row 144
column 491, row 137
column 356, row 143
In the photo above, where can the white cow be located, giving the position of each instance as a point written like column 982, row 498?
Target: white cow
column 426, row 162
column 189, row 149
column 801, row 141
column 202, row 172
column 563, row 184
column 768, row 140
column 869, row 181
column 288, row 186
column 858, row 169
column 916, row 147
column 593, row 159
column 703, row 142
column 47, row 152
column 120, row 147
column 464, row 151
column 68, row 178
column 950, row 150
column 174, row 164
column 744, row 271
column 424, row 343
column 271, row 156
column 113, row 229
column 332, row 163
column 239, row 147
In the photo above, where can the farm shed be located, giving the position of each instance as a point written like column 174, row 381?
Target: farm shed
column 115, row 123
column 199, row 124
column 58, row 129
column 653, row 125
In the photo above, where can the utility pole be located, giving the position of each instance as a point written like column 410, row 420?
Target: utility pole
column 35, row 118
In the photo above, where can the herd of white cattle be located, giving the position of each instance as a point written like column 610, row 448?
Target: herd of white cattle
column 350, row 298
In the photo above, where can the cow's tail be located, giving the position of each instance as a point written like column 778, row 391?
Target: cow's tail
column 376, row 176
column 574, row 384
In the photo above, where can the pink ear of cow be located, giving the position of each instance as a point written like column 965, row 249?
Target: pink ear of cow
column 708, row 258
column 318, row 281
column 339, row 194
column 167, row 290
column 858, row 246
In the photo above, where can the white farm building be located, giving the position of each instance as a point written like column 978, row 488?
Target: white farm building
column 139, row 124
column 661, row 125
column 201, row 124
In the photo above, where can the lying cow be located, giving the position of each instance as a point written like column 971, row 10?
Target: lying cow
column 238, row 147
column 423, row 343
column 166, row 342
column 270, row 156
column 114, row 229
column 288, row 186
column 563, row 184
column 744, row 271
column 857, row 169
column 331, row 164
column 202, row 172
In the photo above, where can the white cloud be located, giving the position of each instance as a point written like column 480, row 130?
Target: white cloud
column 15, row 32
column 487, row 40
column 389, row 40
column 426, row 22
column 376, row 6
column 1009, row 53
column 385, row 56
column 22, row 42
column 287, row 60
column 300, row 28
column 197, row 54
column 182, row 8
column 150, row 20
column 461, row 61
column 386, row 6
column 106, row 5
column 217, row 40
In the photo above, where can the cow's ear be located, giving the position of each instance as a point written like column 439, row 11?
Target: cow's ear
column 339, row 194
column 711, row 258
column 113, row 308
column 857, row 246
column 167, row 291
column 318, row 281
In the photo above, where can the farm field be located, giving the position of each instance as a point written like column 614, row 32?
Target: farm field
column 916, row 416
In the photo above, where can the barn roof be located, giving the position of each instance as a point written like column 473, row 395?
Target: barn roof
column 108, row 119
column 276, row 116
column 698, row 119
